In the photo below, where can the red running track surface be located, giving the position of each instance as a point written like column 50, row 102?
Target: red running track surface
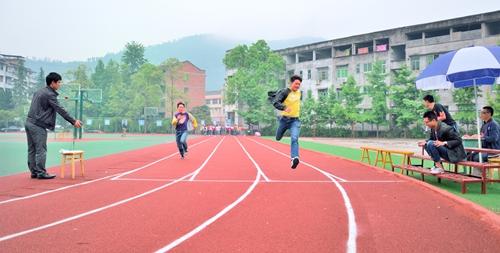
column 236, row 194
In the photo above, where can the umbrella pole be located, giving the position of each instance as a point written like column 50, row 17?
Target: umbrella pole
column 477, row 124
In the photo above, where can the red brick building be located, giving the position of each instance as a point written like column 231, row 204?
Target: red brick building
column 189, row 86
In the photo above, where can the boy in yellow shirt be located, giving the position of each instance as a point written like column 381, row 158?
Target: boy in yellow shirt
column 288, row 100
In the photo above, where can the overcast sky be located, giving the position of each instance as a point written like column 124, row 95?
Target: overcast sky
column 76, row 30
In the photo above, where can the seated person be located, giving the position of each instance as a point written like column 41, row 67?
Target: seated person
column 490, row 134
column 443, row 142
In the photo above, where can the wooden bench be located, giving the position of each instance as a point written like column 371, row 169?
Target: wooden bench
column 385, row 156
column 462, row 179
column 73, row 156
column 483, row 167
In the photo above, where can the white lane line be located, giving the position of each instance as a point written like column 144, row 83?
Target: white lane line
column 56, row 190
column 253, row 161
column 7, row 237
column 301, row 161
column 80, row 184
column 352, row 227
column 249, row 181
column 203, row 165
column 214, row 218
column 155, row 162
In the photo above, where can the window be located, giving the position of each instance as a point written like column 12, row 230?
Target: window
column 323, row 74
column 300, row 73
column 186, row 90
column 342, row 71
column 415, row 62
column 430, row 58
column 367, row 67
column 323, row 92
column 308, row 74
column 208, row 101
column 291, row 73
column 186, row 77
column 358, row 68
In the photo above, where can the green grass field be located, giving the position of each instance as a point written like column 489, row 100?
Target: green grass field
column 491, row 200
column 13, row 148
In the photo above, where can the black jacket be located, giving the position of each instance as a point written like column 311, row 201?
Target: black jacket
column 456, row 151
column 280, row 97
column 44, row 106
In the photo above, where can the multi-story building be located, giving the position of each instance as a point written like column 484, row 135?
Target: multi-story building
column 189, row 86
column 213, row 99
column 9, row 65
column 327, row 64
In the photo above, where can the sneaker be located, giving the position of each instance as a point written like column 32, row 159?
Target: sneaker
column 437, row 170
column 295, row 162
column 182, row 156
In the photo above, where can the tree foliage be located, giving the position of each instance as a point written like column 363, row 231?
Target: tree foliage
column 257, row 70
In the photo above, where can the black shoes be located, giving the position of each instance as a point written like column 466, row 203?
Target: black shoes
column 45, row 176
column 295, row 162
column 34, row 175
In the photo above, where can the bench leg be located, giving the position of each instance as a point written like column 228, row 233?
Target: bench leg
column 82, row 168
column 73, row 167
column 63, row 161
column 464, row 188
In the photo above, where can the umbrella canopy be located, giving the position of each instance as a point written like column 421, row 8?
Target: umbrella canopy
column 470, row 66
column 462, row 68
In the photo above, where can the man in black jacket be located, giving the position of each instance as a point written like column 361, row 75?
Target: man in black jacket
column 444, row 142
column 288, row 100
column 42, row 116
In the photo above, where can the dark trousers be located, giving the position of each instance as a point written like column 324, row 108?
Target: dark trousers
column 436, row 152
column 37, row 148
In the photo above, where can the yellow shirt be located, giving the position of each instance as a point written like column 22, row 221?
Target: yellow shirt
column 292, row 101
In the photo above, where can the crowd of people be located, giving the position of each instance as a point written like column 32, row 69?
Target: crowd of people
column 445, row 142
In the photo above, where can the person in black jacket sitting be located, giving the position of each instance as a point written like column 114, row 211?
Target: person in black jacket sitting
column 443, row 142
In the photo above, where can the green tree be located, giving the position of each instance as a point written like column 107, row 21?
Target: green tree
column 202, row 114
column 378, row 93
column 494, row 97
column 6, row 102
column 171, row 67
column 22, row 88
column 80, row 76
column 257, row 70
column 465, row 101
column 351, row 98
column 309, row 112
column 406, row 99
column 133, row 56
column 40, row 81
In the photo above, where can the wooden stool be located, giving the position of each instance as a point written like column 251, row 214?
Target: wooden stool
column 73, row 156
column 491, row 171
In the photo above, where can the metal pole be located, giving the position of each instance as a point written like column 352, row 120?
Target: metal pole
column 80, row 130
column 477, row 124
column 76, row 116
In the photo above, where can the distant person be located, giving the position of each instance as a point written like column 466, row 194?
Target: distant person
column 441, row 112
column 490, row 134
column 42, row 116
column 181, row 122
column 288, row 100
column 443, row 142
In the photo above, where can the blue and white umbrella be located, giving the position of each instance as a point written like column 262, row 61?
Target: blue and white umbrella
column 462, row 68
column 466, row 67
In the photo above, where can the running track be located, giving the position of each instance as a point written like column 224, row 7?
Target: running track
column 236, row 194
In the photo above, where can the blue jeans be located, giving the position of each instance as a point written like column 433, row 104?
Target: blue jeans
column 436, row 152
column 294, row 125
column 180, row 138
